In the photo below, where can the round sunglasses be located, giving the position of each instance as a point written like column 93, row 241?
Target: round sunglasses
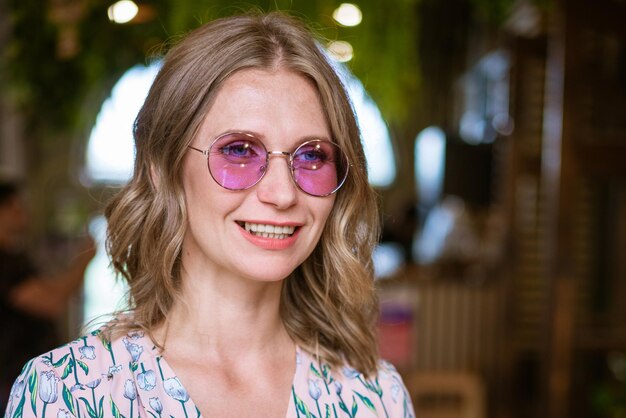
column 239, row 160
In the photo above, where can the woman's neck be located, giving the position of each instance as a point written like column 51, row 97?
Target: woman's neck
column 225, row 317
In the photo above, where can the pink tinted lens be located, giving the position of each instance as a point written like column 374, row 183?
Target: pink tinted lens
column 319, row 167
column 237, row 161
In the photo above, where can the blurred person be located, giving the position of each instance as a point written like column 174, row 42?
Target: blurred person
column 245, row 236
column 30, row 304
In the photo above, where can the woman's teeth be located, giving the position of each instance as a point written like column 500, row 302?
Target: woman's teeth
column 270, row 231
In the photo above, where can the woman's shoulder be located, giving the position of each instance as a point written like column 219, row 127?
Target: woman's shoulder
column 64, row 375
column 385, row 370
column 89, row 357
column 385, row 382
column 96, row 353
column 345, row 388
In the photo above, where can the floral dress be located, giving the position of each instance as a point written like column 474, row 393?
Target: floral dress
column 127, row 377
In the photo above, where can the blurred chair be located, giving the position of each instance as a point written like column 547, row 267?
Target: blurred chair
column 446, row 394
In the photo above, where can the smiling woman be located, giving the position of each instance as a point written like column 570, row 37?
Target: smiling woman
column 110, row 157
column 245, row 235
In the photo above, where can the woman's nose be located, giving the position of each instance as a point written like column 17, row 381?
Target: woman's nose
column 277, row 187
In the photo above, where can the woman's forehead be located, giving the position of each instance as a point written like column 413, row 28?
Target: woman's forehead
column 266, row 103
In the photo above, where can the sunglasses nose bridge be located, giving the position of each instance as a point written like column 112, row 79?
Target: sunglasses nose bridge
column 283, row 154
column 279, row 154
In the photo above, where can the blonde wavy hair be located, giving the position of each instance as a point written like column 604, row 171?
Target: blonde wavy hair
column 328, row 304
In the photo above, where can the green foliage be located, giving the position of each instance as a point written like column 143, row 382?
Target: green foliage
column 64, row 95
column 51, row 91
column 609, row 400
column 494, row 11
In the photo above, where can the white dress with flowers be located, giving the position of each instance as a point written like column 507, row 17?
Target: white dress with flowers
column 95, row 378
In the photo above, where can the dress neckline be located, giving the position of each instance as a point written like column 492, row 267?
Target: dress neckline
column 175, row 388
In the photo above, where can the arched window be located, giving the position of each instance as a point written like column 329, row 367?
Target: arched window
column 110, row 150
column 430, row 148
column 109, row 160
column 381, row 163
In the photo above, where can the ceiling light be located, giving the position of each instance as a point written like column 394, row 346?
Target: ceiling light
column 123, row 11
column 348, row 14
column 340, row 51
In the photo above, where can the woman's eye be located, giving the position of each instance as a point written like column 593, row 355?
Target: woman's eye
column 243, row 149
column 314, row 156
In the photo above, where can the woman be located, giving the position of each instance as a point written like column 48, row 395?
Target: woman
column 245, row 236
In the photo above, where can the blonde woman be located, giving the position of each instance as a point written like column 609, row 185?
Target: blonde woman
column 245, row 236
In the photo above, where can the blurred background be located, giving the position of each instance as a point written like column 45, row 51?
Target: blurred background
column 496, row 137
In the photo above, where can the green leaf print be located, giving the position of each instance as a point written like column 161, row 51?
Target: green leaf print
column 106, row 343
column 19, row 411
column 83, row 366
column 115, row 410
column 378, row 388
column 343, row 406
column 368, row 385
column 69, row 402
column 325, row 370
column 367, row 402
column 60, row 361
column 32, row 381
column 355, row 406
column 327, row 411
column 100, row 408
column 90, row 411
column 68, row 369
column 302, row 406
column 32, row 387
column 315, row 371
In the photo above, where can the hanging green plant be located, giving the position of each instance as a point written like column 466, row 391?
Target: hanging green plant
column 68, row 53
column 50, row 82
column 47, row 82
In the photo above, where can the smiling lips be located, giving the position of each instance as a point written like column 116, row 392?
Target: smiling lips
column 269, row 237
column 269, row 231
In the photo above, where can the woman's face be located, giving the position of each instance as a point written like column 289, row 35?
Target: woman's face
column 283, row 110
